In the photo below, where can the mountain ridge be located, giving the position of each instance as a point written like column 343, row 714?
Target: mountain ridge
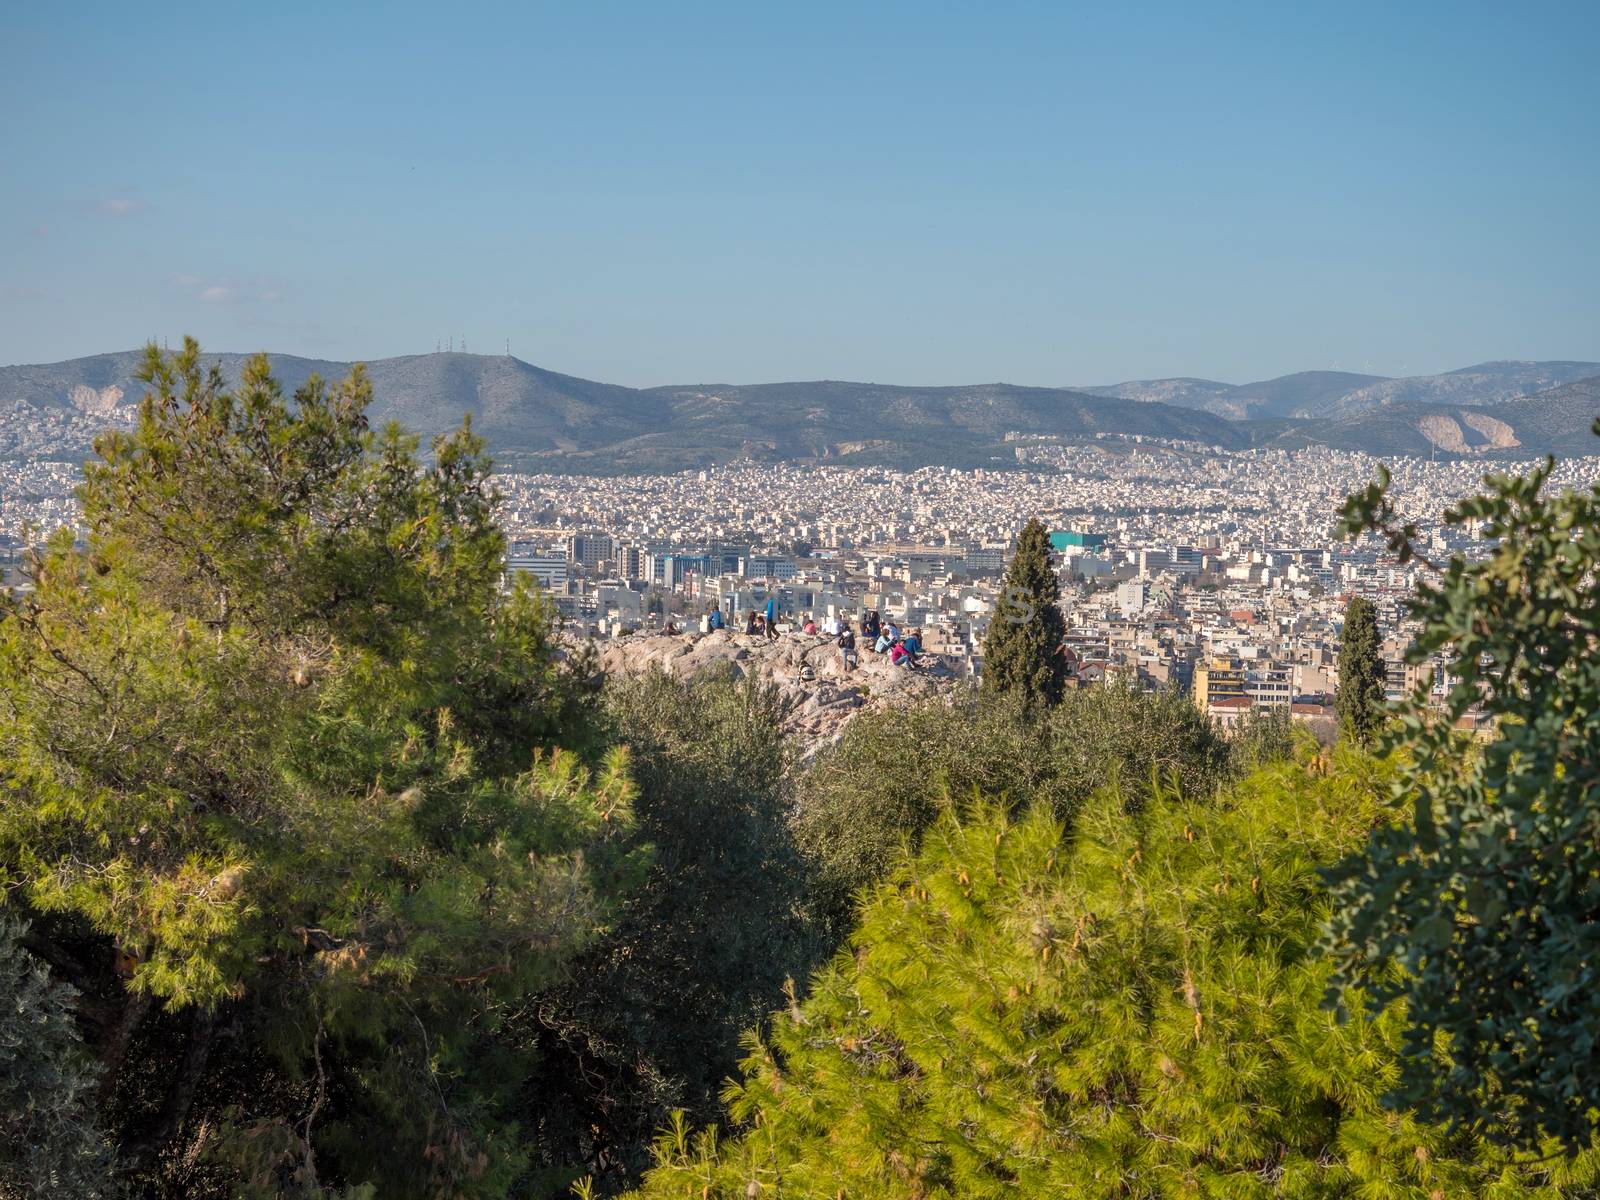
column 538, row 419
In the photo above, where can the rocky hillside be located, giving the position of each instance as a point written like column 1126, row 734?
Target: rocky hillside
column 1336, row 394
column 1305, row 393
column 1557, row 421
column 819, row 708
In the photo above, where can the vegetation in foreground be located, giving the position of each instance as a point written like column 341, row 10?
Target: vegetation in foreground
column 327, row 874
column 1129, row 1009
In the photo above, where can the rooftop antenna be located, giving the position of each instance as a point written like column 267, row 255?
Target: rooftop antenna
column 508, row 347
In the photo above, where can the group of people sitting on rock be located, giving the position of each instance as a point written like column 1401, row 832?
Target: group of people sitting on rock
column 877, row 636
column 885, row 637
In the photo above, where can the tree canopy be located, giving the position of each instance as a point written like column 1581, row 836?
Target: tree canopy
column 285, row 764
column 859, row 805
column 1478, row 906
column 1129, row 1009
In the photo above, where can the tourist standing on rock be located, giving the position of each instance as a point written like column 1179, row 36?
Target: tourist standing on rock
column 772, row 619
column 847, row 648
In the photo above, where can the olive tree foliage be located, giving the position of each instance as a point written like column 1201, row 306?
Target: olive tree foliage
column 1131, row 1008
column 284, row 767
column 50, row 1141
column 651, row 1017
column 892, row 773
column 1478, row 906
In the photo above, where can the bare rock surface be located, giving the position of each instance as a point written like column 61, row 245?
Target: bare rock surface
column 819, row 708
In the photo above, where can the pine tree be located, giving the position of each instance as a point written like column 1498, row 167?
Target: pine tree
column 1131, row 1011
column 1360, row 701
column 1021, row 651
column 276, row 744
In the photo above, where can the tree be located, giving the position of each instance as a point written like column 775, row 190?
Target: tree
column 859, row 807
column 286, row 768
column 1131, row 1010
column 1361, row 699
column 1476, row 906
column 651, row 1015
column 1020, row 651
column 50, row 1143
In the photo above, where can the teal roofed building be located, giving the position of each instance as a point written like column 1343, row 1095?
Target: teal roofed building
column 1071, row 539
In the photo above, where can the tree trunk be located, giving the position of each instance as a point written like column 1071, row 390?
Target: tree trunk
column 180, row 1095
column 115, row 1046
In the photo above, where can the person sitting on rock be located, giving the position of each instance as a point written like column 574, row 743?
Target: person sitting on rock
column 884, row 643
column 897, row 654
column 869, row 627
column 714, row 619
column 810, row 627
column 912, row 645
column 892, row 631
column 750, row 626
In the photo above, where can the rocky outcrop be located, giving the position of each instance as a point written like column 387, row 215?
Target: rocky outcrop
column 820, row 707
column 97, row 402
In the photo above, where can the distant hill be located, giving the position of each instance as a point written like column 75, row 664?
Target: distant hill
column 542, row 420
column 1310, row 394
column 1484, row 384
column 1305, row 393
column 1556, row 421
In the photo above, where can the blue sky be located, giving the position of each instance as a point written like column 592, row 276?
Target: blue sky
column 1049, row 194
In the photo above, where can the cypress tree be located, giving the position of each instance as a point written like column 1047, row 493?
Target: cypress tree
column 1020, row 651
column 1361, row 681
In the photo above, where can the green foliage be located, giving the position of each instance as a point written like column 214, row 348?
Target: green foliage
column 892, row 773
column 1133, row 1011
column 1361, row 699
column 50, row 1144
column 1021, row 650
column 1479, row 906
column 651, row 1017
column 276, row 733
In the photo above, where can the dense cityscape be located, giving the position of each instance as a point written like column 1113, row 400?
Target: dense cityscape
column 1218, row 574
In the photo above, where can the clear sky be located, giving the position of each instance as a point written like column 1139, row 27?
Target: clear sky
column 1057, row 193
